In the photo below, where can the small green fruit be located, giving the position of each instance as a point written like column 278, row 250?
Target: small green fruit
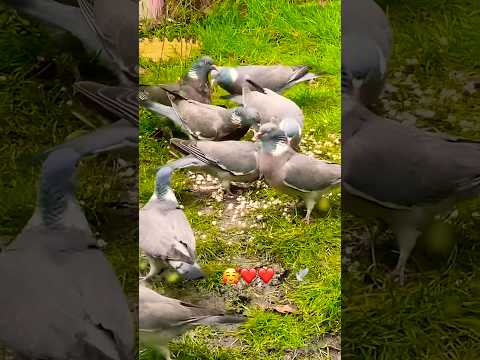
column 324, row 204
column 172, row 277
column 440, row 239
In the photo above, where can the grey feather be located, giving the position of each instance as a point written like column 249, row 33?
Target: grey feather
column 107, row 28
column 115, row 101
column 162, row 318
column 116, row 24
column 227, row 160
column 115, row 136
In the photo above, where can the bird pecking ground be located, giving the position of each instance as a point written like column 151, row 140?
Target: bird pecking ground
column 257, row 226
column 433, row 83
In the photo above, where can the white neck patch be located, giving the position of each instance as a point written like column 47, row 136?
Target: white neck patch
column 233, row 74
column 279, row 149
column 192, row 74
column 383, row 63
column 236, row 120
column 283, row 124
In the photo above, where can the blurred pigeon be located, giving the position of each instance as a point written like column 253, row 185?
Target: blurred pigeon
column 162, row 318
column 193, row 86
column 63, row 300
column 115, row 136
column 403, row 175
column 274, row 108
column 204, row 121
column 226, row 160
column 366, row 46
column 115, row 22
column 114, row 101
column 108, row 28
column 166, row 237
column 293, row 173
column 277, row 78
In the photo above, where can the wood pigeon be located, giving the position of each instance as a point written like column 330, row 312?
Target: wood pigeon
column 63, row 300
column 204, row 121
column 194, row 85
column 293, row 173
column 162, row 318
column 277, row 78
column 226, row 160
column 403, row 175
column 166, row 237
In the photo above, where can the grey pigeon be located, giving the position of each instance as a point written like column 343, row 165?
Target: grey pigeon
column 226, row 160
column 115, row 102
column 277, row 78
column 366, row 47
column 403, row 175
column 204, row 121
column 194, row 85
column 115, row 136
column 166, row 237
column 293, row 173
column 115, row 22
column 274, row 108
column 162, row 318
column 108, row 28
column 63, row 300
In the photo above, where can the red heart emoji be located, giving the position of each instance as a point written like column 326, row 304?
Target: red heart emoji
column 265, row 274
column 248, row 274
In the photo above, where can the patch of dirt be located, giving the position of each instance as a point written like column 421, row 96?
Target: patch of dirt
column 323, row 347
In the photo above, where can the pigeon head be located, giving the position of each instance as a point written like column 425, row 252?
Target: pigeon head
column 57, row 184
column 201, row 68
column 245, row 116
column 188, row 271
column 271, row 133
column 363, row 59
column 291, row 128
column 224, row 76
column 162, row 184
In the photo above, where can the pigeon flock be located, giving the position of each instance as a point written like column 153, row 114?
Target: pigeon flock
column 215, row 147
column 83, row 312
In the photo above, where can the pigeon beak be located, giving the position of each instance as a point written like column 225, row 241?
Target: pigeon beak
column 257, row 135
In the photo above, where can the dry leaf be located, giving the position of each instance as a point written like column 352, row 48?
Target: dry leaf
column 286, row 309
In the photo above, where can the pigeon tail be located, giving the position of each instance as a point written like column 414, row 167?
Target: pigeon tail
column 221, row 319
column 306, row 77
column 163, row 110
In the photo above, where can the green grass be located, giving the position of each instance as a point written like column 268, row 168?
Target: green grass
column 435, row 315
column 36, row 114
column 259, row 32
